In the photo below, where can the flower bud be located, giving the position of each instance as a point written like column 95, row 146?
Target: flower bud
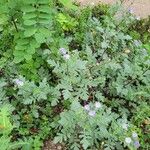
column 128, row 140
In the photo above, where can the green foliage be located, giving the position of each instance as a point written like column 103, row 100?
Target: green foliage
column 140, row 30
column 66, row 22
column 68, row 4
column 142, row 120
column 6, row 128
column 37, row 20
column 78, row 76
column 83, row 130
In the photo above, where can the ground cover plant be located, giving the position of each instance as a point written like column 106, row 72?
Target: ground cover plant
column 77, row 76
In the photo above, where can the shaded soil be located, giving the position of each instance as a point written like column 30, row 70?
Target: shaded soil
column 49, row 145
column 140, row 8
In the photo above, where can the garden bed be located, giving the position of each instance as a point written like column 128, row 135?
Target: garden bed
column 73, row 77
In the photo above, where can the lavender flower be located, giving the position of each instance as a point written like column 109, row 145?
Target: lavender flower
column 66, row 56
column 128, row 140
column 131, row 11
column 92, row 113
column 134, row 135
column 19, row 82
column 136, row 144
column 87, row 107
column 63, row 51
column 98, row 105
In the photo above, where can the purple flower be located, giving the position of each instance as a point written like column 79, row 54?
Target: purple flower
column 92, row 113
column 87, row 107
column 63, row 51
column 136, row 144
column 134, row 135
column 131, row 11
column 18, row 82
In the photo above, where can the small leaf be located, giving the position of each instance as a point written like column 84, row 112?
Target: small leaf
column 28, row 56
column 39, row 38
column 30, row 31
column 35, row 113
column 66, row 94
column 29, row 22
column 28, row 8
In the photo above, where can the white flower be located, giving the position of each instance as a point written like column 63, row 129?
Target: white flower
column 98, row 105
column 19, row 82
column 125, row 126
column 127, row 51
column 66, row 56
column 63, row 51
column 92, row 113
column 87, row 107
column 134, row 135
column 138, row 18
column 128, row 140
column 92, row 3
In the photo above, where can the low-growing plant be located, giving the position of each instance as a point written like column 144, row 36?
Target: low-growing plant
column 75, row 75
column 90, row 126
column 6, row 128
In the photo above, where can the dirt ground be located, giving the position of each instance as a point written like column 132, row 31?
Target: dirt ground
column 141, row 8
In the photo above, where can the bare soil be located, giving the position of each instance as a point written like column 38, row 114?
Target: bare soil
column 49, row 145
column 141, row 8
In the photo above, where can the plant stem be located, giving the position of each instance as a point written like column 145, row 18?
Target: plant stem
column 15, row 25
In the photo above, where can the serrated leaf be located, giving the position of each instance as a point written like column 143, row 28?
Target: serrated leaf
column 104, row 44
column 58, row 139
column 28, row 101
column 66, row 94
column 35, row 113
column 85, row 143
